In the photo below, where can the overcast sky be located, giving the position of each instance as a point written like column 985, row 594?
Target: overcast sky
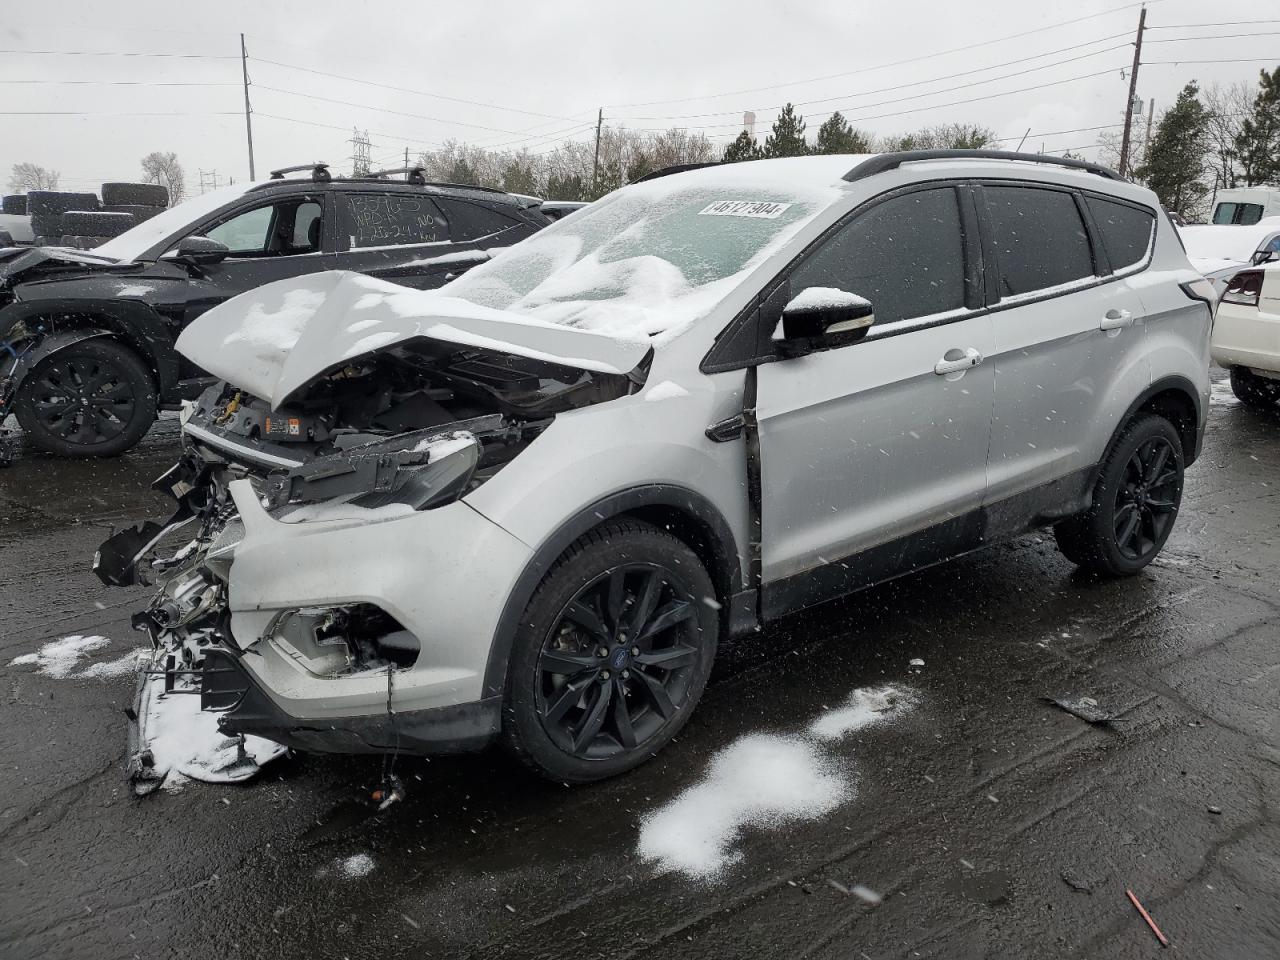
column 545, row 67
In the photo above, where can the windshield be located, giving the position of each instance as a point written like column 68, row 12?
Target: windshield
column 647, row 260
column 132, row 244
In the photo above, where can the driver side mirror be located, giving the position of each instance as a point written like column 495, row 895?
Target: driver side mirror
column 821, row 318
column 197, row 251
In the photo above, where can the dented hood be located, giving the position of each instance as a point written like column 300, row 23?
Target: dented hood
column 275, row 339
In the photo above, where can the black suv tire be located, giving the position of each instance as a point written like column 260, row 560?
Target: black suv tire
column 617, row 640
column 1135, row 501
column 96, row 398
column 1253, row 390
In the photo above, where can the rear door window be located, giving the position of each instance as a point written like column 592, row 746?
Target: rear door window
column 905, row 255
column 474, row 221
column 1126, row 231
column 392, row 219
column 1040, row 239
column 1242, row 213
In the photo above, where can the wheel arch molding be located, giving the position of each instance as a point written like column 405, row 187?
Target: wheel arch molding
column 690, row 516
column 134, row 325
column 1177, row 400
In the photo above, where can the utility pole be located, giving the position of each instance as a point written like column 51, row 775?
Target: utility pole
column 595, row 167
column 248, row 124
column 406, row 163
column 1133, row 93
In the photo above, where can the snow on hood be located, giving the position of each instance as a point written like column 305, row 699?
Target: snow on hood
column 133, row 243
column 272, row 340
column 1227, row 243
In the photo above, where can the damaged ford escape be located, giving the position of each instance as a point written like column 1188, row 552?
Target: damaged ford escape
column 527, row 507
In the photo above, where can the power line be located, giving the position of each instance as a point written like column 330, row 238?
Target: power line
column 935, row 106
column 336, row 126
column 128, row 83
column 421, row 93
column 122, row 53
column 369, row 106
column 120, row 113
column 918, row 83
column 1158, row 63
column 1223, row 23
column 1225, row 36
column 896, row 63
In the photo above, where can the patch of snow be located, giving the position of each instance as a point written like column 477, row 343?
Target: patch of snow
column 666, row 390
column 270, row 331
column 763, row 781
column 59, row 658
column 825, row 298
column 121, row 667
column 1221, row 394
column 865, row 707
column 759, row 780
column 458, row 256
column 442, row 447
column 187, row 744
column 356, row 866
column 135, row 290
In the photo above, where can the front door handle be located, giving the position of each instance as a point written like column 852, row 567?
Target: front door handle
column 1115, row 319
column 957, row 361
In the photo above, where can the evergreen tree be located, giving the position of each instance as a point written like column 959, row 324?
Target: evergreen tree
column 461, row 172
column 787, row 137
column 1174, row 167
column 743, row 148
column 837, row 136
column 567, row 187
column 1258, row 142
column 518, row 177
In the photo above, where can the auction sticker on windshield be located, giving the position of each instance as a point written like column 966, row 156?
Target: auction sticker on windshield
column 761, row 209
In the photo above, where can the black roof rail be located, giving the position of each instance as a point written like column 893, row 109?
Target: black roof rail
column 319, row 171
column 416, row 174
column 677, row 168
column 891, row 161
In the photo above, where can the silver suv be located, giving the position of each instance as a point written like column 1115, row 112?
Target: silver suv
column 527, row 507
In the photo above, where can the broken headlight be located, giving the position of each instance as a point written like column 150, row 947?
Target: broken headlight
column 420, row 469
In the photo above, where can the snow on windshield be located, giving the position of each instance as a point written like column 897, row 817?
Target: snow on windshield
column 653, row 257
column 132, row 244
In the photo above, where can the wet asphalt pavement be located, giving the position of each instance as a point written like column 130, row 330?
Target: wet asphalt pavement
column 991, row 823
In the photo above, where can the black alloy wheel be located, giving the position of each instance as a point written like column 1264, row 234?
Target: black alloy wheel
column 94, row 398
column 1147, row 503
column 618, row 663
column 611, row 654
column 1135, row 501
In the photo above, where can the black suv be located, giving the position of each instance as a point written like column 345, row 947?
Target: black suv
column 86, row 337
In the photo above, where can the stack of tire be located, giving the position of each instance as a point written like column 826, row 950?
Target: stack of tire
column 15, row 204
column 79, row 220
column 47, row 208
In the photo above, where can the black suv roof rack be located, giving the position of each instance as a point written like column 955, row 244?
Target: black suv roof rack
column 319, row 171
column 416, row 174
column 891, row 161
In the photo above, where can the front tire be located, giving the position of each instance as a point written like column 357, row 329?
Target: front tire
column 95, row 398
column 1253, row 390
column 611, row 655
column 1135, row 502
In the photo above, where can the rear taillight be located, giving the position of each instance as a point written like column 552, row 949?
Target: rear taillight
column 1245, row 288
column 1202, row 290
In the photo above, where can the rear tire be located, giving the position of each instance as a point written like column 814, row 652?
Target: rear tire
column 1135, row 501
column 96, row 398
column 611, row 655
column 1253, row 390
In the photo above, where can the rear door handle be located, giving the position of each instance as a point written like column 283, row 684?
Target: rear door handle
column 957, row 364
column 1115, row 319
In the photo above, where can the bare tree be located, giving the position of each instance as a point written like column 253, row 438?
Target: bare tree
column 164, row 169
column 32, row 176
column 1228, row 107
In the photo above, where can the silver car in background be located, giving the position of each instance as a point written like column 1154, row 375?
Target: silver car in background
column 527, row 507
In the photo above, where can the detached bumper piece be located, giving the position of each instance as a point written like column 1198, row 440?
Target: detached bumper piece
column 172, row 739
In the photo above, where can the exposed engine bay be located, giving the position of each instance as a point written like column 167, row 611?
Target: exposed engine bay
column 411, row 428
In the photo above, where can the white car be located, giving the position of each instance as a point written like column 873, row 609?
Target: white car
column 1246, row 336
column 1219, row 251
